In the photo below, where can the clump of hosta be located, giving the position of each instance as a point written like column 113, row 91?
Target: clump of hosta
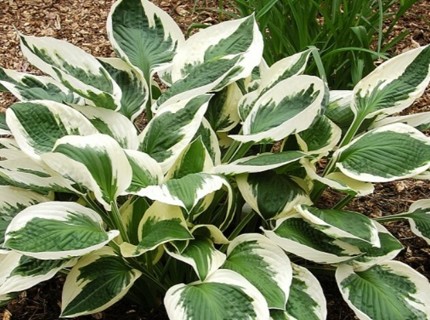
column 211, row 208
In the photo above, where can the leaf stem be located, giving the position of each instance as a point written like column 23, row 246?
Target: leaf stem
column 240, row 227
column 343, row 202
column 116, row 218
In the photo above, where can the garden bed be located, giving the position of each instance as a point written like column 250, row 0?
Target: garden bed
column 83, row 24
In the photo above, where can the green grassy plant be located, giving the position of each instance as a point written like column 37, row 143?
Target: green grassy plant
column 351, row 35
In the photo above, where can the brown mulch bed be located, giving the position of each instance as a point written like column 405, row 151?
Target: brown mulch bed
column 82, row 22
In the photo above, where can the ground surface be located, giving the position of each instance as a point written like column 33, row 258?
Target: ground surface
column 82, row 22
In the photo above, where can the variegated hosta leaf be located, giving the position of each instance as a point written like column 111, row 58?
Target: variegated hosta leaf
column 194, row 159
column 96, row 282
column 259, row 163
column 172, row 129
column 298, row 236
column 392, row 152
column 57, row 230
column 223, row 295
column 263, row 264
column 132, row 212
column 418, row 217
column 9, row 143
column 26, row 173
column 12, row 201
column 320, row 138
column 270, row 194
column 113, row 124
column 4, row 129
column 342, row 224
column 306, row 300
column 161, row 223
column 210, row 231
column 389, row 249
column 421, row 120
column 143, row 34
column 135, row 91
column 252, row 82
column 283, row 69
column 246, row 104
column 146, row 171
column 210, row 140
column 339, row 108
column 213, row 58
column 19, row 272
column 394, row 85
column 38, row 125
column 200, row 253
column 186, row 191
column 338, row 181
column 27, row 87
column 222, row 111
column 77, row 70
column 391, row 290
column 289, row 107
column 96, row 162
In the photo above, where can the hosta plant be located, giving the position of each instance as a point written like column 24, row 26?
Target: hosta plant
column 212, row 208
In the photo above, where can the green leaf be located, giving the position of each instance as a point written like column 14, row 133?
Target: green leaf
column 264, row 264
column 213, row 58
column 172, row 129
column 134, row 88
column 27, row 87
column 370, row 293
column 392, row 152
column 143, row 35
column 259, row 163
column 96, row 162
column 270, row 194
column 37, row 126
column 298, row 236
column 57, row 230
column 161, row 223
column 394, row 85
column 342, row 224
column 20, row 272
column 12, row 201
column 96, row 282
column 289, row 107
column 76, row 69
column 223, row 295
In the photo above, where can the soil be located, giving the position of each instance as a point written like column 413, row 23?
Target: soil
column 82, row 22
